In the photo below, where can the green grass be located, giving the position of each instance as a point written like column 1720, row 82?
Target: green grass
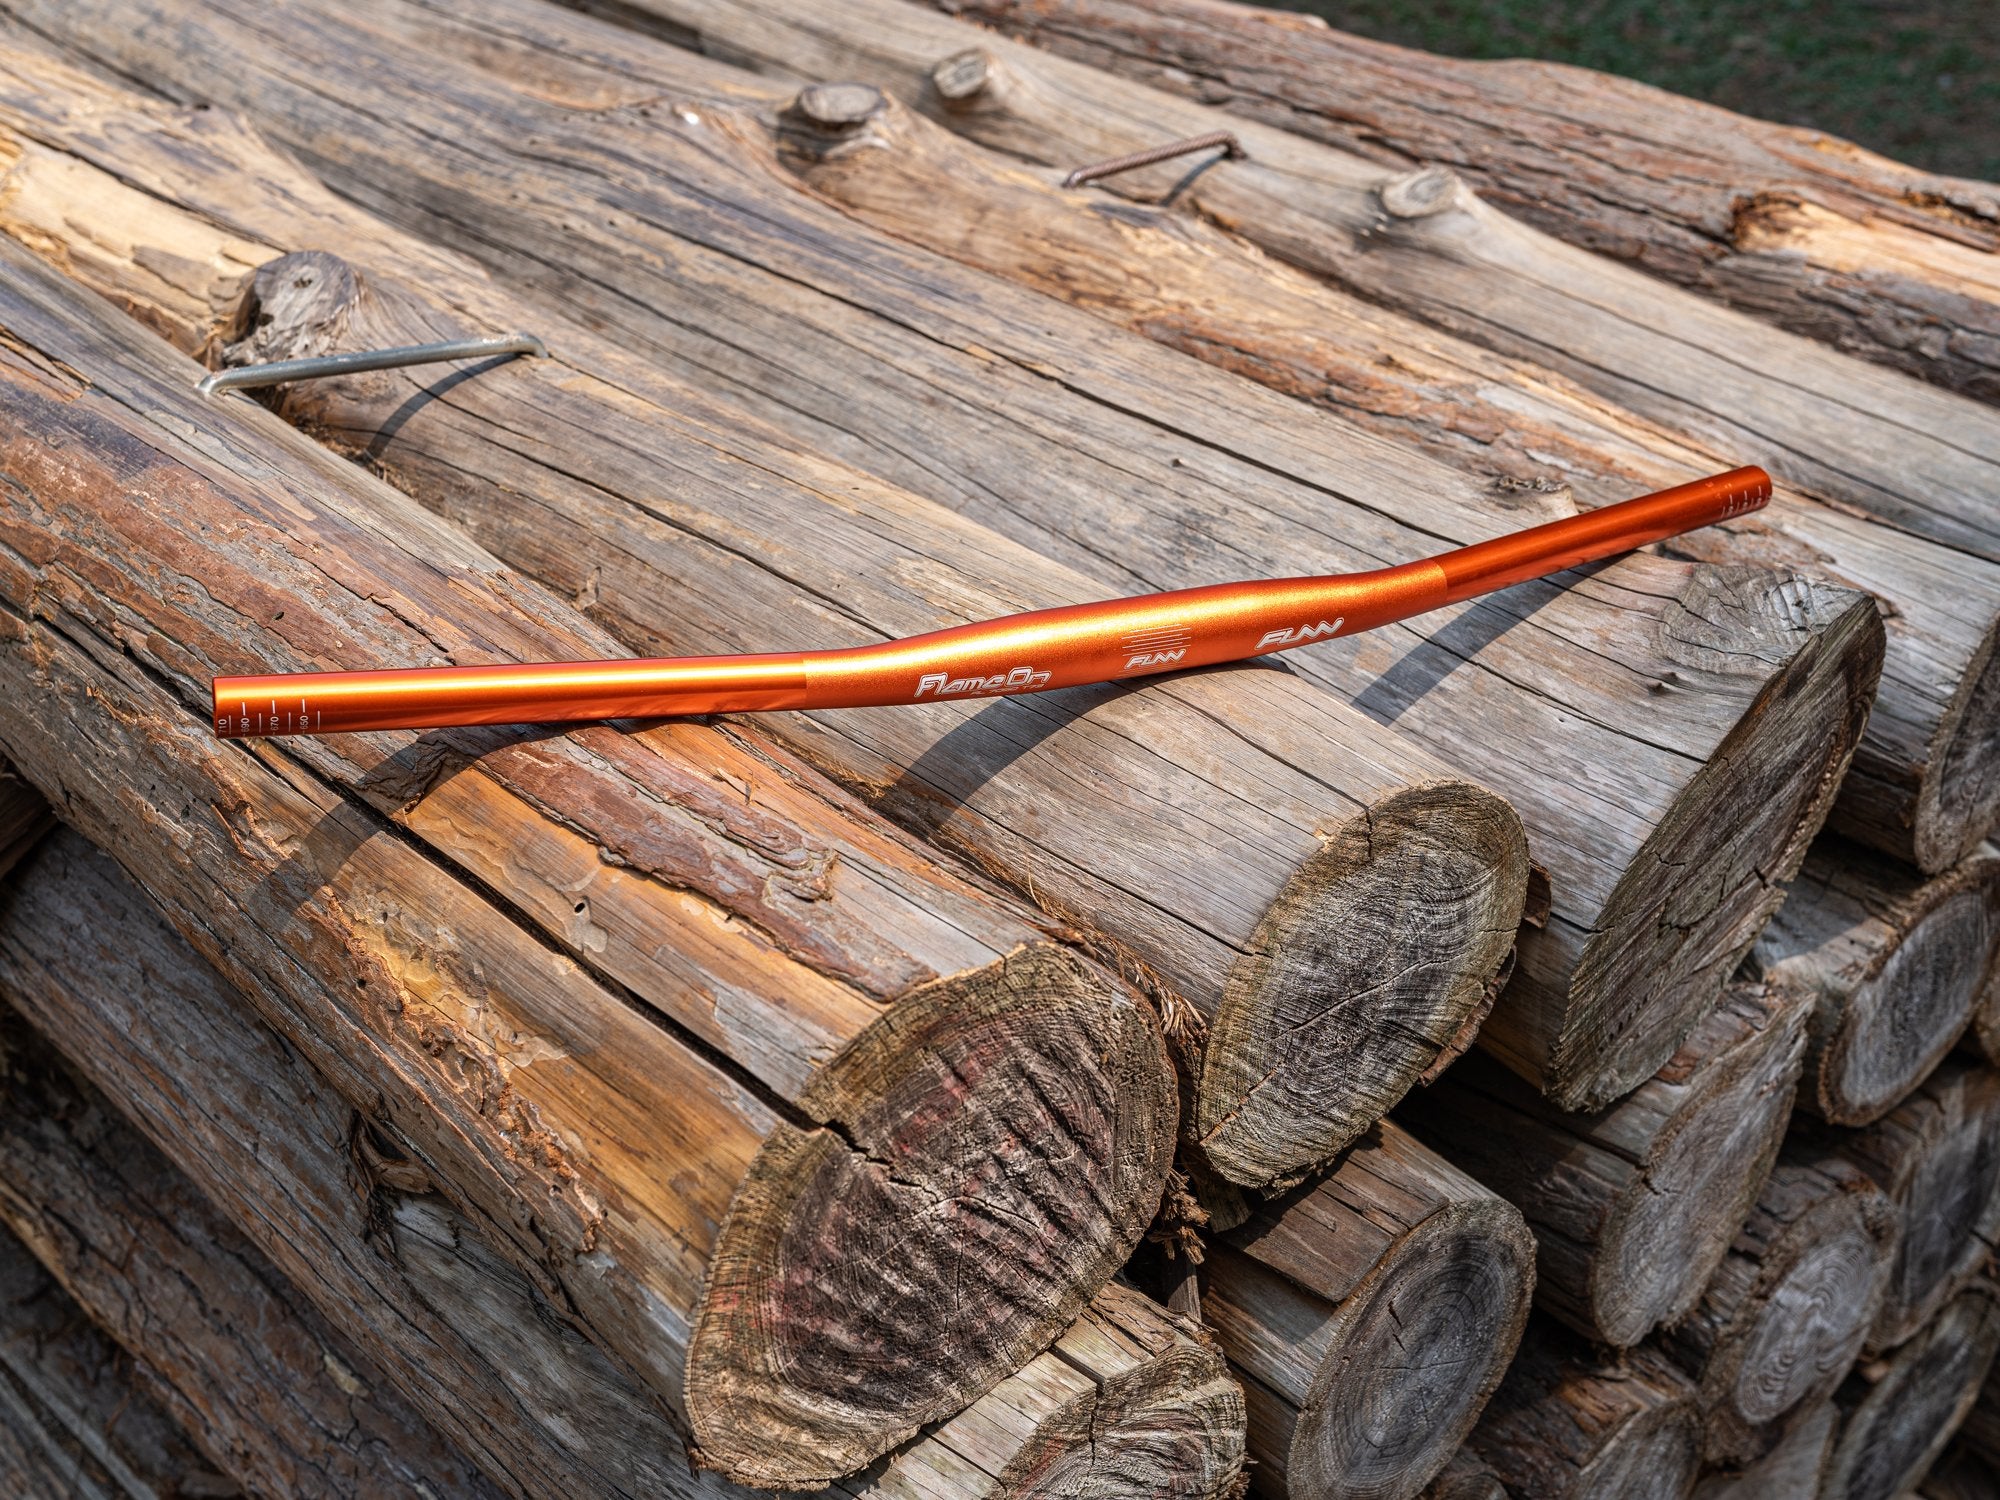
column 1916, row 81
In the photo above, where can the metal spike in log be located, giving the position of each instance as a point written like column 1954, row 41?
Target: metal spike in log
column 1792, row 225
column 1567, row 1424
column 76, row 1418
column 452, row 1324
column 1899, row 1412
column 1633, row 1207
column 1237, row 827
column 1937, row 1156
column 1896, row 965
column 1891, row 446
column 1370, row 1315
column 694, row 864
column 1916, row 786
column 1785, row 1315
column 1766, row 675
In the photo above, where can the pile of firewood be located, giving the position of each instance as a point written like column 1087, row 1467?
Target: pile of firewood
column 1541, row 1049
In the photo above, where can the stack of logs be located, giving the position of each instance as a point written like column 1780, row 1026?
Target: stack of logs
column 1542, row 1049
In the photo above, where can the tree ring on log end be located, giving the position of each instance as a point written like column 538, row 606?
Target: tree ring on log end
column 1803, row 1325
column 1654, row 1457
column 1959, row 801
column 1949, row 1203
column 988, row 1153
column 1897, row 1429
column 1692, row 900
column 1674, row 1221
column 1171, row 1429
column 1903, row 1018
column 1371, row 966
column 1418, row 1348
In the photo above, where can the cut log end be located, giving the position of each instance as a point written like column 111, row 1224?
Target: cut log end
column 1900, row 1022
column 1702, row 1175
column 1372, row 967
column 991, row 1151
column 1172, row 1429
column 1692, row 902
column 1902, row 1412
column 1804, row 1316
column 1451, row 1302
column 1959, row 802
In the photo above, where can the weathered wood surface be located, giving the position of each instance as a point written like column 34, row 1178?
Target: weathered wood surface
column 1798, row 227
column 1937, row 1156
column 1895, row 964
column 1466, row 1477
column 24, row 817
column 448, row 1320
column 1765, row 676
column 1960, row 1474
column 1785, row 1315
column 277, row 1395
column 1635, row 1206
column 77, row 1421
column 1921, row 457
column 1234, row 861
column 1898, row 1413
column 1791, row 1471
column 1371, row 1315
column 1926, row 778
column 1567, row 1424
column 744, row 888
column 1981, row 1430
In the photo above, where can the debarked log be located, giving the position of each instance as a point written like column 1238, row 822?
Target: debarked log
column 1895, row 965
column 1899, row 1412
column 418, row 1287
column 1806, row 230
column 1237, row 832
column 1466, row 1477
column 1370, row 1315
column 1786, row 1314
column 1922, row 458
column 1791, row 1471
column 1570, row 1424
column 1121, row 456
column 1632, row 1207
column 278, row 1395
column 152, row 544
column 1926, row 780
column 76, row 1418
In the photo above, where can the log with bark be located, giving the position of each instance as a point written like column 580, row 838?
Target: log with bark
column 1798, row 227
column 1895, row 964
column 1926, row 778
column 77, row 1420
column 846, row 981
column 422, row 1292
column 1785, row 1315
column 1635, row 1206
column 277, row 1394
column 1791, row 1471
column 1118, row 454
column 1233, row 831
column 1569, row 1424
column 1891, row 446
column 1937, row 1156
column 1899, row 1412
column 1370, row 1315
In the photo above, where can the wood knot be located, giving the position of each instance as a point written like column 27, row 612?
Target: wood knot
column 837, row 108
column 1419, row 194
column 963, row 77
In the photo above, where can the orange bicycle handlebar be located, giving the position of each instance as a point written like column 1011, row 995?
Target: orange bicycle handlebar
column 1112, row 640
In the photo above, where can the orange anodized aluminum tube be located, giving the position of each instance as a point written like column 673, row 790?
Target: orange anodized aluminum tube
column 1033, row 652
